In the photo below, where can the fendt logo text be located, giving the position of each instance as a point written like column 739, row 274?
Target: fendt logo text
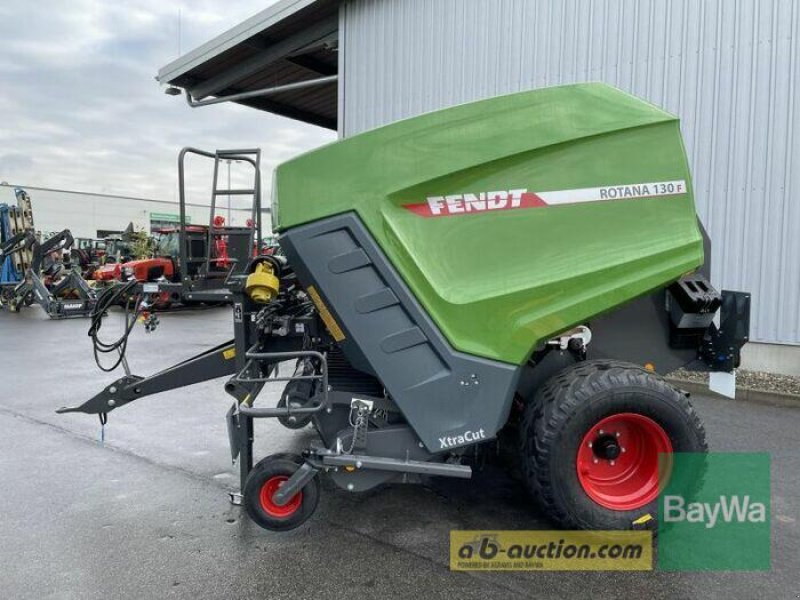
column 730, row 509
column 480, row 202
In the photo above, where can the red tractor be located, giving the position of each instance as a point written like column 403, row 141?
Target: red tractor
column 164, row 265
column 191, row 263
column 161, row 265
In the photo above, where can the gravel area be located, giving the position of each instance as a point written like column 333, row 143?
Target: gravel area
column 753, row 380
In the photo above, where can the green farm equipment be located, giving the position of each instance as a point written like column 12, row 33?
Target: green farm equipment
column 530, row 262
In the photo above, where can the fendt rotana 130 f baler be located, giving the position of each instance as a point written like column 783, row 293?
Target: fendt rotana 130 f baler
column 526, row 264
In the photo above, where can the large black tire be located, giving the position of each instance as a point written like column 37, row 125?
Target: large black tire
column 263, row 480
column 564, row 414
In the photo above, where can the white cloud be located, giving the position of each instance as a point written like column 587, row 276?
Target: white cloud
column 81, row 109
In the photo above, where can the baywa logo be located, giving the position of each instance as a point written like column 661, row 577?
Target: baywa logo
column 729, row 509
column 714, row 512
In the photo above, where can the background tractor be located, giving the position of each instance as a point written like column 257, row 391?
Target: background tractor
column 190, row 263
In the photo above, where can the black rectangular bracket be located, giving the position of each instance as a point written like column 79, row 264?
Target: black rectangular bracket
column 721, row 349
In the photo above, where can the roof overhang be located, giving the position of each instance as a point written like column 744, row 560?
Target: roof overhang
column 283, row 60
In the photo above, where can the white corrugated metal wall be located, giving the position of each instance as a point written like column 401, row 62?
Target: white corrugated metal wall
column 727, row 67
column 84, row 213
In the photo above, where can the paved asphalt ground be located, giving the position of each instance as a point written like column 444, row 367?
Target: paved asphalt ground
column 147, row 514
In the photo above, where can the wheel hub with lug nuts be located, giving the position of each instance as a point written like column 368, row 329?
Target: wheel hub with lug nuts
column 618, row 461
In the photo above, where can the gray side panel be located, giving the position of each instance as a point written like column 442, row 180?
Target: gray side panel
column 638, row 331
column 442, row 393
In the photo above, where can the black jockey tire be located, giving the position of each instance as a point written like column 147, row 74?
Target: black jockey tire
column 278, row 466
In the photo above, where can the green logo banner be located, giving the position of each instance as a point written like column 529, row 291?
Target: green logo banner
column 168, row 217
column 714, row 513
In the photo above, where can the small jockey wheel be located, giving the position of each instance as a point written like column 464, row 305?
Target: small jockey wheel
column 267, row 476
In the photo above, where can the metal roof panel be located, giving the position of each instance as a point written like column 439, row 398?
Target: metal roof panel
column 256, row 24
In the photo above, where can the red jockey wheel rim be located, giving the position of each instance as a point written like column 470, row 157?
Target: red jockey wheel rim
column 618, row 461
column 268, row 490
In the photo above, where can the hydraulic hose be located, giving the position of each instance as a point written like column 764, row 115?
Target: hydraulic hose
column 105, row 300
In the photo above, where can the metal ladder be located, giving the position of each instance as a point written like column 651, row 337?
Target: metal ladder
column 251, row 237
column 241, row 240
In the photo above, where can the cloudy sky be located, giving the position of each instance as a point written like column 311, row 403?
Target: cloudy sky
column 80, row 109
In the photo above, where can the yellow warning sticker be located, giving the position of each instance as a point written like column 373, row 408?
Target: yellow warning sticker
column 326, row 315
column 229, row 353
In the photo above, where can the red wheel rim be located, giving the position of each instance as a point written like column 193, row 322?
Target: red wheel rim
column 618, row 461
column 268, row 490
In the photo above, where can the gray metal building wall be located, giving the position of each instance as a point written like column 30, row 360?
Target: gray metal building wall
column 727, row 68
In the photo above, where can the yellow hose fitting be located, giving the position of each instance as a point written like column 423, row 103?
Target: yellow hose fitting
column 262, row 285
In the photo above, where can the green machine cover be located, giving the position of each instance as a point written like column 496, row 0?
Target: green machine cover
column 515, row 218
